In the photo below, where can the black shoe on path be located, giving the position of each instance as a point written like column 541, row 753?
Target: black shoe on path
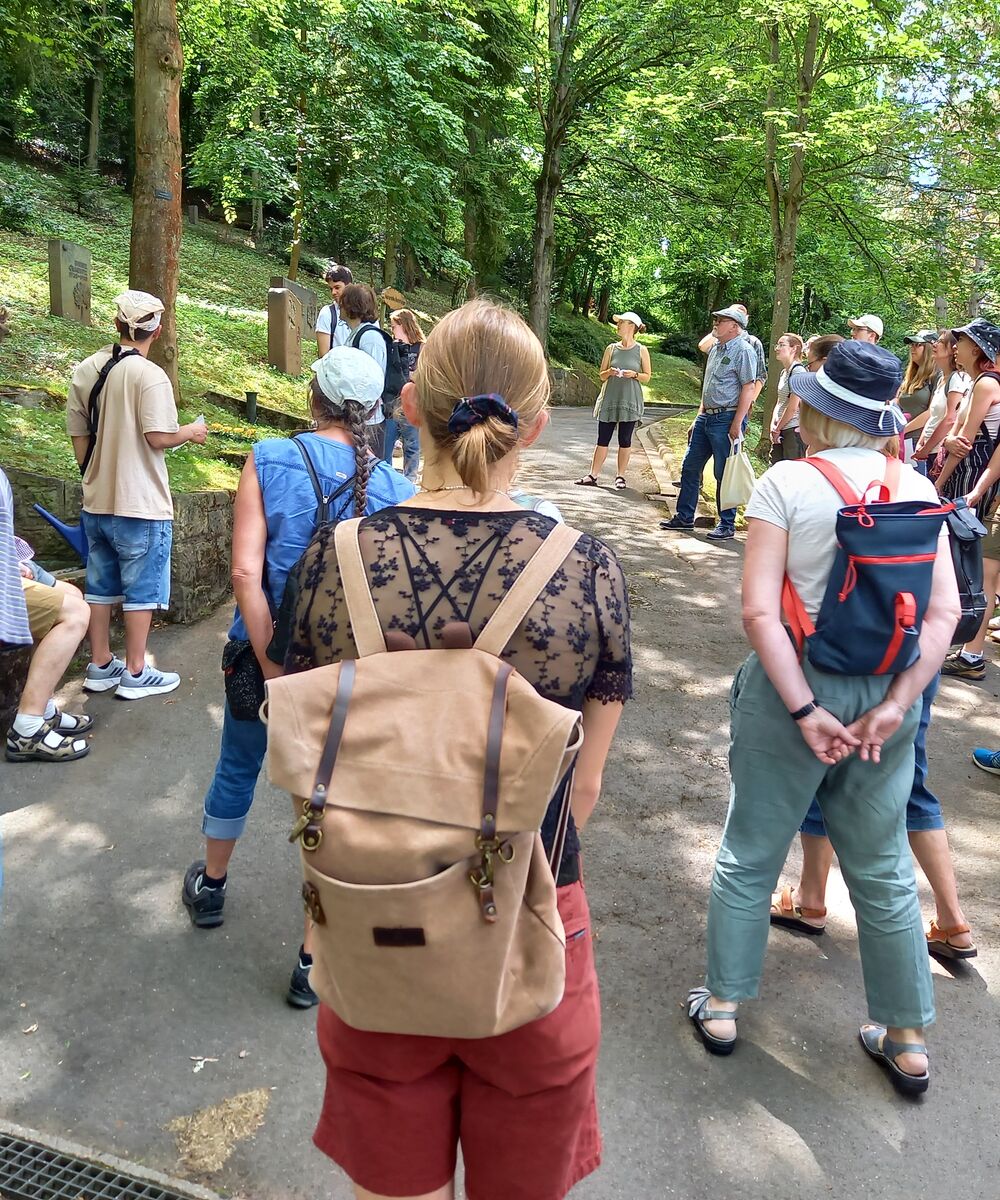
column 204, row 904
column 677, row 523
column 300, row 994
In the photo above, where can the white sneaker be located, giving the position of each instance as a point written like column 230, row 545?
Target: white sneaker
column 103, row 679
column 150, row 682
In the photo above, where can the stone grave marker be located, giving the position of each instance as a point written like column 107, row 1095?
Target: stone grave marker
column 193, row 214
column 69, row 281
column 307, row 298
column 284, row 331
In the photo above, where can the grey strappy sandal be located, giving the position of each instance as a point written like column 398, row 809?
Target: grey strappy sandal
column 878, row 1045
column 697, row 1012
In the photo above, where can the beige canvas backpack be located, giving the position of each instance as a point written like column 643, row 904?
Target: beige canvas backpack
column 420, row 779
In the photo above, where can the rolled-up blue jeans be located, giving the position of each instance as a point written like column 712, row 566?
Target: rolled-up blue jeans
column 709, row 440
column 923, row 808
column 244, row 744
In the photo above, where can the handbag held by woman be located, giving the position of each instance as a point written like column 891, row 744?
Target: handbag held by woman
column 433, row 900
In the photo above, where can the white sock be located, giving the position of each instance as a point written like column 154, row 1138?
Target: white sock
column 50, row 709
column 971, row 658
column 27, row 725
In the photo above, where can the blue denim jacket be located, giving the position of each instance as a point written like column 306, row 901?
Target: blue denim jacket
column 290, row 502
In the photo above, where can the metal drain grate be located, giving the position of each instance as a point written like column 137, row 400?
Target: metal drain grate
column 31, row 1171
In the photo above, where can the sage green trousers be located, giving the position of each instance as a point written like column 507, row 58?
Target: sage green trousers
column 774, row 777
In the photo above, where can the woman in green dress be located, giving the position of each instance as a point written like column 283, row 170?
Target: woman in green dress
column 624, row 369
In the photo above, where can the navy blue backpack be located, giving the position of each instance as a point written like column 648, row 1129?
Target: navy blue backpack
column 870, row 619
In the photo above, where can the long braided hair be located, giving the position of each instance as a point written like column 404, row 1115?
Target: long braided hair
column 351, row 415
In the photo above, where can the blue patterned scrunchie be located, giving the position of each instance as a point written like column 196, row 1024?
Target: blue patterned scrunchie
column 474, row 410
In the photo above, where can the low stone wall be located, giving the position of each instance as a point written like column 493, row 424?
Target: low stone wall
column 572, row 389
column 272, row 417
column 203, row 533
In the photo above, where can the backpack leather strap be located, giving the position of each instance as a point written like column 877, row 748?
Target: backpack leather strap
column 368, row 636
column 538, row 570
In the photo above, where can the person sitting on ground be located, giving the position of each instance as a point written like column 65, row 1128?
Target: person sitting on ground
column 798, row 732
column 624, row 369
column 127, row 506
column 952, row 388
column 803, row 908
column 731, row 385
column 58, row 617
column 397, row 1106
column 866, row 328
column 330, row 329
column 967, row 472
column 359, row 310
column 15, row 634
column 785, row 440
column 409, row 338
column 274, row 518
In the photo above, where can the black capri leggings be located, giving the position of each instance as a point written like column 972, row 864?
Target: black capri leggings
column 625, row 430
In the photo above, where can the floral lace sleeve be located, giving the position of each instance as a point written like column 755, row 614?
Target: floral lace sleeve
column 612, row 678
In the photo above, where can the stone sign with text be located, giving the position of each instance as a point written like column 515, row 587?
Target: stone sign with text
column 284, row 331
column 69, row 281
column 307, row 298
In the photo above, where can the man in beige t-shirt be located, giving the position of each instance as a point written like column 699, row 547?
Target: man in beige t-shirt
column 127, row 508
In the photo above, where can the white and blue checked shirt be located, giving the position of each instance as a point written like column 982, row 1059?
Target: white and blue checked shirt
column 14, row 629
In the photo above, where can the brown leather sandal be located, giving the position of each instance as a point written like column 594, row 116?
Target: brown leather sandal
column 786, row 914
column 939, row 942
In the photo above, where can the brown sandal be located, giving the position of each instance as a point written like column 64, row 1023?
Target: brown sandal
column 939, row 942
column 786, row 914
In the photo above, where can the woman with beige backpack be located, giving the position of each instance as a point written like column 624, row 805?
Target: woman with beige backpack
column 470, row 587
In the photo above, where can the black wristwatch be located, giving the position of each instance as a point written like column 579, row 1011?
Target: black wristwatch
column 804, row 711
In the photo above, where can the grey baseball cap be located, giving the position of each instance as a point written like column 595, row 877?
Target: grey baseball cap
column 733, row 314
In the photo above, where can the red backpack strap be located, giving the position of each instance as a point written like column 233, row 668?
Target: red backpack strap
column 796, row 618
column 836, row 479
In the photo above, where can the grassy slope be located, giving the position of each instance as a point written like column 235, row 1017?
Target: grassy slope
column 222, row 334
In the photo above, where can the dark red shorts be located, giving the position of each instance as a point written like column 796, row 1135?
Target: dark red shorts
column 522, row 1105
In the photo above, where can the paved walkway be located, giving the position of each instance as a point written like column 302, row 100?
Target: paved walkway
column 97, row 953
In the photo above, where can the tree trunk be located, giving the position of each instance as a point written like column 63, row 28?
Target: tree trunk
column 95, row 86
column 603, row 303
column 156, row 198
column 543, row 240
column 391, row 252
column 975, row 308
column 588, row 297
column 470, row 239
column 941, row 311
column 256, row 202
column 298, row 203
column 411, row 268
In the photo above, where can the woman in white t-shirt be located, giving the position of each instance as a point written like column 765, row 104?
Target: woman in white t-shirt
column 951, row 390
column 798, row 731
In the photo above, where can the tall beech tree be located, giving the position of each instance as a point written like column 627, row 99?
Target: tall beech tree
column 156, row 191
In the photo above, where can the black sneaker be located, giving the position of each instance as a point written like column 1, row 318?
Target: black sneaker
column 677, row 523
column 721, row 533
column 961, row 668
column 204, row 904
column 300, row 994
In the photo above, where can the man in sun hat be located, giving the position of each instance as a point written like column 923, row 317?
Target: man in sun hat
column 866, row 328
column 121, row 416
column 732, row 383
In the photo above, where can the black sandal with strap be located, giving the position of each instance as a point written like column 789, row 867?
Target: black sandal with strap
column 586, row 481
column 697, row 1012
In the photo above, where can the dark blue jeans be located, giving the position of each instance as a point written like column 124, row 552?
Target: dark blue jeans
column 399, row 427
column 709, row 439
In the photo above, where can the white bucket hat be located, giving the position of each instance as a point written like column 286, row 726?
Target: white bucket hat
column 634, row 317
column 344, row 373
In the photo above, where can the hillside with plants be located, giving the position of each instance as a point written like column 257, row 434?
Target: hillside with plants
column 221, row 319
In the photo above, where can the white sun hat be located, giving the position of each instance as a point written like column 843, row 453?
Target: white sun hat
column 344, row 373
column 634, row 317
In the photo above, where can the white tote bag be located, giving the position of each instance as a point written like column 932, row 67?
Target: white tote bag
column 737, row 477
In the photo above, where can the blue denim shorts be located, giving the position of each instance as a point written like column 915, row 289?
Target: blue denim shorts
column 129, row 561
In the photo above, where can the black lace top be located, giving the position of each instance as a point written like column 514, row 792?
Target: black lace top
column 427, row 568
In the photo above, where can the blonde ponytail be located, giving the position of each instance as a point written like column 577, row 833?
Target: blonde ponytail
column 475, row 350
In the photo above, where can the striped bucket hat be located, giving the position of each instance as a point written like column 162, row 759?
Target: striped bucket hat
column 857, row 385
